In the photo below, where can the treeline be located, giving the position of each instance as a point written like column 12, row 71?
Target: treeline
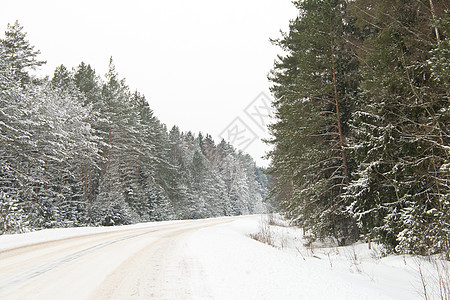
column 79, row 149
column 362, row 136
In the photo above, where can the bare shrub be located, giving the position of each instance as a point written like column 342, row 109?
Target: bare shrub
column 299, row 251
column 271, row 219
column 352, row 257
column 264, row 234
column 435, row 280
column 443, row 278
column 276, row 220
column 283, row 240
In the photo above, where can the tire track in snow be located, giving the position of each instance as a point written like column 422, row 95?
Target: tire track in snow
column 148, row 259
column 9, row 281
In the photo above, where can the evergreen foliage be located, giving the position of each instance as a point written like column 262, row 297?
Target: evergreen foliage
column 388, row 62
column 81, row 150
column 18, row 52
column 314, row 85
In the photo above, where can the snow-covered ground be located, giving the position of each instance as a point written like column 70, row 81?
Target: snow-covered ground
column 234, row 266
column 200, row 259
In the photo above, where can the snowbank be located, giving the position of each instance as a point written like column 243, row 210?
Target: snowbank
column 234, row 266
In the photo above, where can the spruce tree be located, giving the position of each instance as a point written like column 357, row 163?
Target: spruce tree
column 400, row 190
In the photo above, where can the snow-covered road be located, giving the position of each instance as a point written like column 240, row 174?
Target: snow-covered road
column 200, row 259
column 139, row 263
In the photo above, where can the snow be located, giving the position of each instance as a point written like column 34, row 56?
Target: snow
column 234, row 266
column 217, row 259
column 11, row 241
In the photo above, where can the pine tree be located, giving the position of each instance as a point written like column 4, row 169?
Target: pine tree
column 62, row 78
column 314, row 87
column 19, row 53
column 14, row 134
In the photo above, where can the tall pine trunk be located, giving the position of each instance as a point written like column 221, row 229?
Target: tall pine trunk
column 338, row 114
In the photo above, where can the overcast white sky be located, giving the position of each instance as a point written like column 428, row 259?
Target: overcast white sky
column 200, row 63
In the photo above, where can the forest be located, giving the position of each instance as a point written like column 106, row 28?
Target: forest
column 361, row 142
column 360, row 138
column 79, row 149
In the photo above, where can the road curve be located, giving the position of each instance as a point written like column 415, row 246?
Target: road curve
column 141, row 263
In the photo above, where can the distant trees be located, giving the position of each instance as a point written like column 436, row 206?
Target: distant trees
column 80, row 149
column 363, row 127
